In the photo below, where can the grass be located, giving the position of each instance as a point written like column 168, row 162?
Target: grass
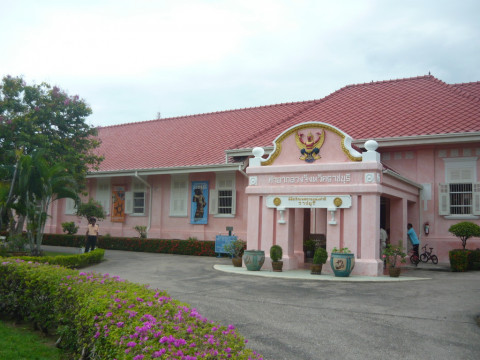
column 19, row 342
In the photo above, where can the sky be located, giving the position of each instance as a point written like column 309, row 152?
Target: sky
column 143, row 59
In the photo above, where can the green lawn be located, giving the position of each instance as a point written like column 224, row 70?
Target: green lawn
column 19, row 342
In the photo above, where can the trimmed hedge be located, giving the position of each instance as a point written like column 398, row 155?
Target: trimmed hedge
column 103, row 317
column 181, row 247
column 70, row 261
column 463, row 260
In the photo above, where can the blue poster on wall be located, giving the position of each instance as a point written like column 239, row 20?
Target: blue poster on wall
column 199, row 210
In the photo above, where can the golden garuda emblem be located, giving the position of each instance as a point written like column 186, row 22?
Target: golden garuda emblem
column 309, row 147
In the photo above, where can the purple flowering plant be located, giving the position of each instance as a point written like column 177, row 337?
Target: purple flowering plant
column 110, row 318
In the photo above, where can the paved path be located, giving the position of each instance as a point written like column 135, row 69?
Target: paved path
column 297, row 318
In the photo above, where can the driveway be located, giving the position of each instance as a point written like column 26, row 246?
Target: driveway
column 289, row 319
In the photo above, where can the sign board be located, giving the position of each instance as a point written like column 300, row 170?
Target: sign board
column 309, row 201
column 221, row 241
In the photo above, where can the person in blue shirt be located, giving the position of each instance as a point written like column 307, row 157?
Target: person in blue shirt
column 412, row 236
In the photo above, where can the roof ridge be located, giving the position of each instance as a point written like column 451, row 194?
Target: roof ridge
column 467, row 83
column 207, row 113
column 316, row 102
column 386, row 81
column 291, row 116
column 464, row 92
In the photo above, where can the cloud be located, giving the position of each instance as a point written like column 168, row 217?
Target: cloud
column 131, row 59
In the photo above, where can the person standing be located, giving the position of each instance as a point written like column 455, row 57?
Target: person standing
column 412, row 236
column 91, row 235
column 383, row 245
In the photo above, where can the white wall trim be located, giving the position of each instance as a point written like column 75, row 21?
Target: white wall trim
column 423, row 139
column 165, row 171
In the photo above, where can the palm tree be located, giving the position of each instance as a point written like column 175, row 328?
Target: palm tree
column 39, row 184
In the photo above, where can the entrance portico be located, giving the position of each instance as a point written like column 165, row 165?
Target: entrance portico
column 323, row 171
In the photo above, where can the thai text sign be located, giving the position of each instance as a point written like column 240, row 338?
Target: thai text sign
column 309, row 201
column 310, row 179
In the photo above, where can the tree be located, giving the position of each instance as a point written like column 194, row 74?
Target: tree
column 465, row 230
column 39, row 184
column 36, row 117
column 91, row 209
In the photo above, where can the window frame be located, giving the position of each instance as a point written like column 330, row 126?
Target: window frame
column 221, row 181
column 103, row 194
column 179, row 194
column 459, row 172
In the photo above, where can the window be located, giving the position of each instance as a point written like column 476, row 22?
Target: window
column 135, row 199
column 70, row 207
column 179, row 195
column 460, row 195
column 103, row 194
column 223, row 197
column 138, row 202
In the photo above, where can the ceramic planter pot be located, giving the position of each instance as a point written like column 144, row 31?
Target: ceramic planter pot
column 316, row 269
column 254, row 259
column 342, row 264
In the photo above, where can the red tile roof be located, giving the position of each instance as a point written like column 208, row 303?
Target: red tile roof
column 186, row 141
column 473, row 88
column 405, row 107
column 395, row 108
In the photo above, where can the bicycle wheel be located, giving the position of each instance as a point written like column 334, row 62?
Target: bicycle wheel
column 434, row 259
column 424, row 258
column 414, row 260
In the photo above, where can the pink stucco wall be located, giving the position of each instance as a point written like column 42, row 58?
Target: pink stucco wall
column 425, row 165
column 162, row 224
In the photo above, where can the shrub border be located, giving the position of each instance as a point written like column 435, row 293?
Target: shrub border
column 164, row 246
column 103, row 317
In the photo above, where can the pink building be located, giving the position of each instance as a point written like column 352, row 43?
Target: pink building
column 381, row 154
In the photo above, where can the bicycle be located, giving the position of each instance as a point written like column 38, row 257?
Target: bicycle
column 414, row 259
column 427, row 255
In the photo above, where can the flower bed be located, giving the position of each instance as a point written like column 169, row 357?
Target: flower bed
column 104, row 317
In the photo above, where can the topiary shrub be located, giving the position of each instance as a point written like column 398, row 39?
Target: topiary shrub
column 465, row 230
column 320, row 256
column 276, row 253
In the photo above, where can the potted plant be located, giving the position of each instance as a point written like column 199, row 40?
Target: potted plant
column 342, row 262
column 392, row 254
column 142, row 231
column 235, row 249
column 319, row 258
column 309, row 248
column 276, row 254
column 254, row 259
